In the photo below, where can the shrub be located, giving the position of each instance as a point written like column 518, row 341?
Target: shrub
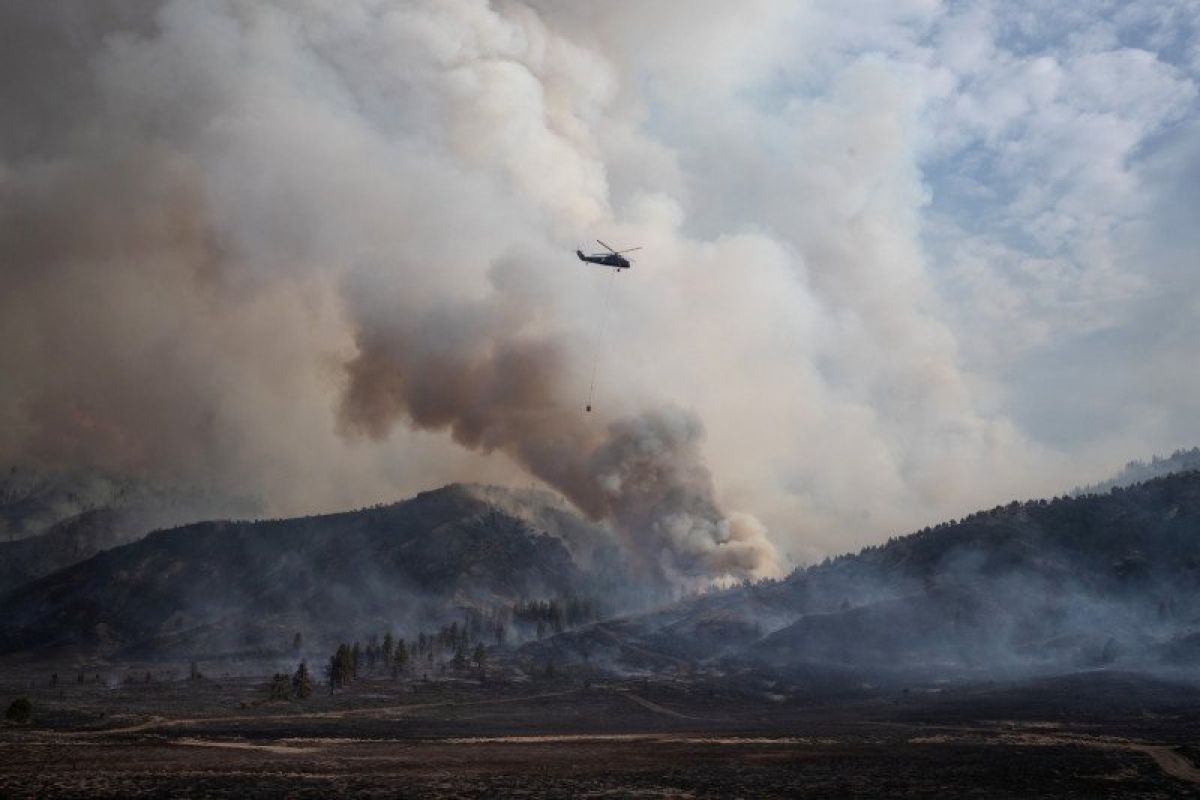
column 281, row 687
column 19, row 711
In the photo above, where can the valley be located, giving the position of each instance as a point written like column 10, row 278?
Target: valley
column 603, row 737
column 476, row 642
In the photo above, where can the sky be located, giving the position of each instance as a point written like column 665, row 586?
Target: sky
column 900, row 260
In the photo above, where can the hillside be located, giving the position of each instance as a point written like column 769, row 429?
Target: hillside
column 246, row 587
column 66, row 542
column 1034, row 587
column 52, row 518
column 1038, row 586
column 1138, row 471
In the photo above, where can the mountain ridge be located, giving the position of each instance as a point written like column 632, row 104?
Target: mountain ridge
column 238, row 585
column 1029, row 587
column 52, row 518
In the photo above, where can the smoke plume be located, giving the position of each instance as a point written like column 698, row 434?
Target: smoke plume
column 231, row 256
column 483, row 373
column 322, row 254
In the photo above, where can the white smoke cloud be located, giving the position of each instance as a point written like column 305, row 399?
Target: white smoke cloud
column 216, row 212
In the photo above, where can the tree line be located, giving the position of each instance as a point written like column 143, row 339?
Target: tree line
column 456, row 645
column 396, row 656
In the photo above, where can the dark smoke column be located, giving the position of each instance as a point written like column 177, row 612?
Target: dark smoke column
column 476, row 371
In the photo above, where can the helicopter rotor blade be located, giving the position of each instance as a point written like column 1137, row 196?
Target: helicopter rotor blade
column 606, row 247
column 630, row 250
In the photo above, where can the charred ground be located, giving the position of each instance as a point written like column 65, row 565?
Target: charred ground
column 584, row 733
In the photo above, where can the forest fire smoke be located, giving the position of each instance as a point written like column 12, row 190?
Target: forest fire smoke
column 476, row 372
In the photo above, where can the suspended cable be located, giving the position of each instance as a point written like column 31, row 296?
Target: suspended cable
column 600, row 339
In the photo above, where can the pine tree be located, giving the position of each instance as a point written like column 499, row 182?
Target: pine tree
column 400, row 662
column 346, row 666
column 479, row 656
column 302, row 682
column 341, row 668
column 389, row 650
column 372, row 652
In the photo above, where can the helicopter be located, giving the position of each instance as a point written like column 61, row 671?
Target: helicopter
column 613, row 258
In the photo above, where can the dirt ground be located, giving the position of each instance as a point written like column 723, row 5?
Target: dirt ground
column 582, row 738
